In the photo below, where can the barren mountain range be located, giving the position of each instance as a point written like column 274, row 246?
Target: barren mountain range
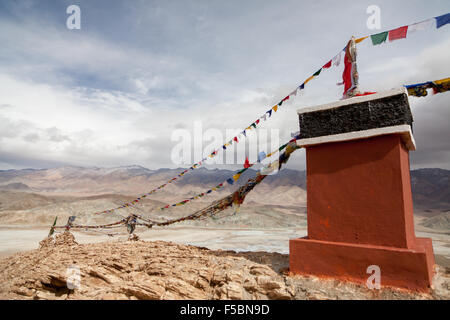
column 44, row 193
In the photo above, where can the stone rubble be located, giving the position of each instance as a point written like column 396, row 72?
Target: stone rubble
column 163, row 270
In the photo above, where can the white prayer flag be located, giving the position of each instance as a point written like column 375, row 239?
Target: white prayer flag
column 420, row 26
column 337, row 59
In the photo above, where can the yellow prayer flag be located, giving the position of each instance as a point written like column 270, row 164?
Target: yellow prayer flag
column 275, row 108
column 290, row 148
column 361, row 39
column 442, row 81
column 307, row 80
column 236, row 176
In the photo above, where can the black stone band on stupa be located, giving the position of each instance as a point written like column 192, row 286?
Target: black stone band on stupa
column 387, row 111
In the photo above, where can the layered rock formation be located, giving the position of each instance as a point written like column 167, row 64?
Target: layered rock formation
column 164, row 270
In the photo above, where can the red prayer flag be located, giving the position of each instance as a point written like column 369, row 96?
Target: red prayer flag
column 398, row 33
column 366, row 93
column 246, row 163
column 235, row 139
column 287, row 98
column 257, row 121
column 327, row 65
column 347, row 78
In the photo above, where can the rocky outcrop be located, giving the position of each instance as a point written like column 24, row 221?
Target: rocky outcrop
column 63, row 239
column 163, row 270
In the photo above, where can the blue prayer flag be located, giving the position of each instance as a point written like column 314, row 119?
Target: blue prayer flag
column 261, row 156
column 442, row 20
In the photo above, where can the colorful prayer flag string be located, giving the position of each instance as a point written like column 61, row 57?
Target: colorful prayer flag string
column 404, row 31
column 420, row 89
column 392, row 35
column 230, row 180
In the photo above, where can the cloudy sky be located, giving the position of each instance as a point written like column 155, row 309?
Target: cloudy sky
column 120, row 90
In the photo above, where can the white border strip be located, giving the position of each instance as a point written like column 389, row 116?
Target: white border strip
column 403, row 130
column 353, row 100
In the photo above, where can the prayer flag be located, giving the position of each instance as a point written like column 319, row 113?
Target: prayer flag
column 261, row 156
column 442, row 20
column 361, row 39
column 307, row 80
column 293, row 93
column 266, row 170
column 398, row 33
column 302, row 86
column 379, row 38
column 347, row 77
column 236, row 176
column 317, row 72
column 230, row 181
column 282, row 147
column 235, row 139
column 327, row 65
column 246, row 163
column 337, row 59
column 420, row 26
column 275, row 108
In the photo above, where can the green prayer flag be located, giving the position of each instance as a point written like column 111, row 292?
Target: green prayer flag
column 52, row 228
column 242, row 170
column 317, row 73
column 282, row 147
column 379, row 38
column 254, row 125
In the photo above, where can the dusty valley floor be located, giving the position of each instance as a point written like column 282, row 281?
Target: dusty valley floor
column 124, row 269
